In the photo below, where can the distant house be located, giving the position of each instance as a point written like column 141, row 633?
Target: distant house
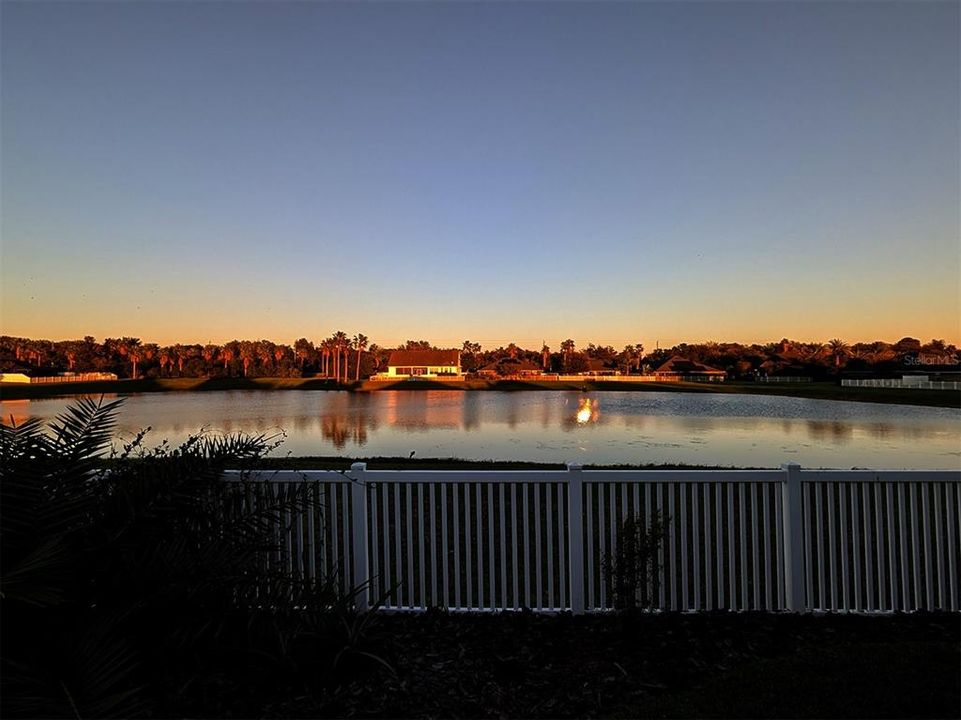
column 596, row 366
column 14, row 377
column 40, row 376
column 510, row 367
column 680, row 368
column 423, row 363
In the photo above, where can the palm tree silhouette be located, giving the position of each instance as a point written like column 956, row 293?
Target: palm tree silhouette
column 129, row 348
column 839, row 349
column 341, row 343
column 360, row 344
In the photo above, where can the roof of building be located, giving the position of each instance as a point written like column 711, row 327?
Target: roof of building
column 598, row 365
column 510, row 366
column 424, row 358
column 678, row 365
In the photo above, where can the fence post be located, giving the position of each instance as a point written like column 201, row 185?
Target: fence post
column 575, row 529
column 793, row 528
column 358, row 510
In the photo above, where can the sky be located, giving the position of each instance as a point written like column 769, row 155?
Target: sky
column 614, row 172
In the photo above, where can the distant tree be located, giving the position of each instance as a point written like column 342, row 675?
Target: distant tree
column 545, row 356
column 229, row 352
column 360, row 343
column 248, row 353
column 326, row 348
column 341, row 347
column 567, row 347
column 907, row 344
column 166, row 357
column 209, row 354
column 129, row 347
column 469, row 355
column 376, row 355
column 839, row 350
column 303, row 350
column 265, row 353
column 418, row 345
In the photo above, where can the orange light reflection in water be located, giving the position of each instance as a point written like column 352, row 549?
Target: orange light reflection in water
column 588, row 411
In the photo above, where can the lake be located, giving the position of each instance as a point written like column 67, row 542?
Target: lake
column 595, row 427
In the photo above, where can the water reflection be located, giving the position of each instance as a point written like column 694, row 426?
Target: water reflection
column 587, row 411
column 635, row 427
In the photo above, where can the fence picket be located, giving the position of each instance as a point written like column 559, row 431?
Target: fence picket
column 892, row 535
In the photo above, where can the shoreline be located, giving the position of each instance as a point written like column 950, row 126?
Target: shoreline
column 812, row 391
column 339, row 462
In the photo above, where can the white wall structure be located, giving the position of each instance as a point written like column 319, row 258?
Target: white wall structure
column 423, row 363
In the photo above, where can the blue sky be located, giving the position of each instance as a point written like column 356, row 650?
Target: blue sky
column 610, row 172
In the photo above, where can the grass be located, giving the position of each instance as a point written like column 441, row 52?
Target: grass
column 910, row 678
column 671, row 665
column 814, row 390
column 331, row 462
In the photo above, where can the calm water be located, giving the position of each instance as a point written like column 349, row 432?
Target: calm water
column 635, row 427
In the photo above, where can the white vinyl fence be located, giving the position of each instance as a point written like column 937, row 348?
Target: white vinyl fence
column 904, row 384
column 788, row 539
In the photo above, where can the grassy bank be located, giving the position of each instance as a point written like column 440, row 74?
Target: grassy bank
column 323, row 462
column 814, row 391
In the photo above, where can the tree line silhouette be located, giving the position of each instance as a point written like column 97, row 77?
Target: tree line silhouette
column 347, row 357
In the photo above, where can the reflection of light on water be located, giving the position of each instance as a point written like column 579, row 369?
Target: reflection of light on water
column 17, row 412
column 587, row 411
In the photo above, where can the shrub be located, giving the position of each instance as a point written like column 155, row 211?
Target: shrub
column 631, row 570
column 136, row 582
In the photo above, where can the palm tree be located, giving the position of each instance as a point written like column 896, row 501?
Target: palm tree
column 265, row 353
column 567, row 347
column 165, row 357
column 326, row 348
column 303, row 349
column 181, row 352
column 360, row 344
column 248, row 352
column 228, row 353
column 150, row 351
column 129, row 348
column 545, row 356
column 839, row 349
column 341, row 343
column 209, row 352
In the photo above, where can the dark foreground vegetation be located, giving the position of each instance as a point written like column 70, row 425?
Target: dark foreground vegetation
column 635, row 664
column 141, row 592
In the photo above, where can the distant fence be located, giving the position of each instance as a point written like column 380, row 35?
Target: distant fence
column 602, row 378
column 788, row 539
column 77, row 377
column 785, row 379
column 902, row 383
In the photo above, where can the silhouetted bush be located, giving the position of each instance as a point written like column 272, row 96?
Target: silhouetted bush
column 631, row 570
column 134, row 583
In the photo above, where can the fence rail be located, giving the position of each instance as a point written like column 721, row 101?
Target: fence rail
column 788, row 539
column 904, row 384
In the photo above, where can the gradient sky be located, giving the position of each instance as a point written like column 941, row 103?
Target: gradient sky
column 615, row 172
